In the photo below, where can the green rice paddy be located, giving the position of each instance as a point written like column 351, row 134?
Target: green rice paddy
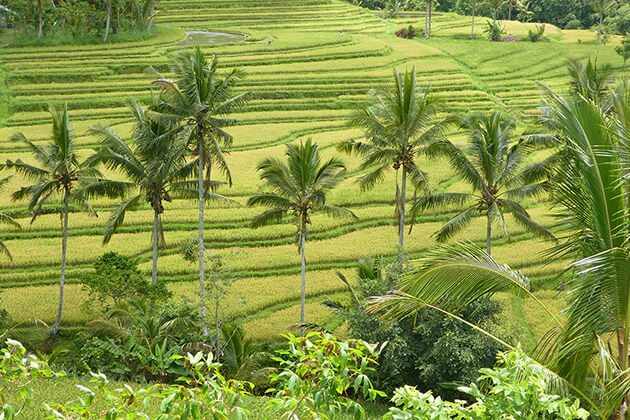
column 309, row 65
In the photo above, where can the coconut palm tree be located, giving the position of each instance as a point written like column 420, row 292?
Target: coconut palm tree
column 298, row 188
column 494, row 168
column 601, row 7
column 157, row 169
column 588, row 351
column 57, row 173
column 398, row 124
column 201, row 99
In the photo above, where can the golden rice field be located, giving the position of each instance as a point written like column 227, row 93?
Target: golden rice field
column 309, row 65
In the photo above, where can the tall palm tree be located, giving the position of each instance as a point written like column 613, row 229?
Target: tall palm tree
column 156, row 166
column 58, row 172
column 398, row 124
column 298, row 188
column 493, row 166
column 601, row 7
column 201, row 99
column 589, row 351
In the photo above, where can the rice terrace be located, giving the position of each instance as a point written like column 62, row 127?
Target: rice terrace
column 311, row 82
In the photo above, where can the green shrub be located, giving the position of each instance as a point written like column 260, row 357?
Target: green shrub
column 116, row 279
column 515, row 389
column 494, row 30
column 431, row 351
column 318, row 374
column 536, row 35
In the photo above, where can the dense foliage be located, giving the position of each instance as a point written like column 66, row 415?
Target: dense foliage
column 431, row 351
column 79, row 20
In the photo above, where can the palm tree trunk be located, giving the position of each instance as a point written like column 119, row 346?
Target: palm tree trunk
column 155, row 239
column 600, row 29
column 401, row 204
column 202, row 270
column 303, row 291
column 40, row 18
column 427, row 19
column 64, row 247
column 217, row 323
column 488, row 235
column 108, row 19
column 472, row 26
column 510, row 12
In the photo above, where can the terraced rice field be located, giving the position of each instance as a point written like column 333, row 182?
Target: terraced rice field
column 309, row 64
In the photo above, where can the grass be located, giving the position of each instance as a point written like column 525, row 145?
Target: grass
column 309, row 65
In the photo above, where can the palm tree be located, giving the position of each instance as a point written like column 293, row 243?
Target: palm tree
column 7, row 220
column 474, row 5
column 428, row 17
column 398, row 124
column 495, row 5
column 298, row 188
column 495, row 172
column 201, row 99
column 156, row 167
column 601, row 7
column 58, row 173
column 589, row 184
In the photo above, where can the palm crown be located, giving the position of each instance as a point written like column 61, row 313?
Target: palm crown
column 298, row 187
column 494, row 168
column 59, row 169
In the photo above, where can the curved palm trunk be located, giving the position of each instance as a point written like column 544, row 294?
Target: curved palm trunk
column 488, row 235
column 155, row 239
column 40, row 18
column 401, row 220
column 108, row 19
column 62, row 280
column 200, row 242
column 303, row 291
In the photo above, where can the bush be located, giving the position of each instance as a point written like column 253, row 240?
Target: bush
column 573, row 24
column 536, row 35
column 619, row 21
column 319, row 374
column 515, row 389
column 116, row 279
column 140, row 341
column 494, row 30
column 408, row 33
column 431, row 351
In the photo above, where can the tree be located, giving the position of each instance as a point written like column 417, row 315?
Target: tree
column 474, row 5
column 589, row 185
column 298, row 188
column 7, row 220
column 624, row 50
column 398, row 124
column 58, row 173
column 495, row 171
column 428, row 17
column 108, row 19
column 496, row 6
column 157, row 169
column 201, row 99
column 601, row 7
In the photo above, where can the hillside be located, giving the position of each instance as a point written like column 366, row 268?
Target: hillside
column 309, row 65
